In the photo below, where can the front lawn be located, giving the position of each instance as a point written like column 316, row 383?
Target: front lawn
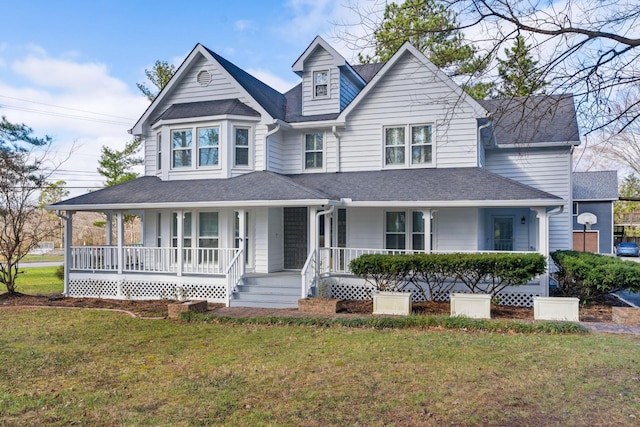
column 61, row 367
column 37, row 280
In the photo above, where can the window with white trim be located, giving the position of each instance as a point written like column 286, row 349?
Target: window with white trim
column 313, row 150
column 159, row 146
column 404, row 230
column 208, row 231
column 241, row 146
column 186, row 230
column 408, row 145
column 181, row 148
column 394, row 146
column 208, row 146
column 321, row 84
column 421, row 148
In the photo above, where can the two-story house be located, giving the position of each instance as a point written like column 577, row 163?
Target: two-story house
column 249, row 195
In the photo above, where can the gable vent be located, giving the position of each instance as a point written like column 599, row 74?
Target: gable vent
column 204, row 78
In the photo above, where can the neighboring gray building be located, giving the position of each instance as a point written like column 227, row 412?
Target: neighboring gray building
column 595, row 192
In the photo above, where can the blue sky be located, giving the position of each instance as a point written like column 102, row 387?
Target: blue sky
column 69, row 68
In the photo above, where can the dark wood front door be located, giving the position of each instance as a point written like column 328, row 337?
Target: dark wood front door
column 295, row 238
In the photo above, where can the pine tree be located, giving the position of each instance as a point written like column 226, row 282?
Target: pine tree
column 518, row 72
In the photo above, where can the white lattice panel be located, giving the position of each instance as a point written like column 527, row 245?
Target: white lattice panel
column 143, row 289
column 357, row 292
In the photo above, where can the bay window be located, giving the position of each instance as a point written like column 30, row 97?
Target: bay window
column 208, row 146
column 241, row 145
column 181, row 143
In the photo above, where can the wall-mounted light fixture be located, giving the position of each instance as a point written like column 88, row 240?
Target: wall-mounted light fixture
column 523, row 221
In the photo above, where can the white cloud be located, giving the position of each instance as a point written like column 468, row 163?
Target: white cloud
column 242, row 24
column 272, row 80
column 73, row 102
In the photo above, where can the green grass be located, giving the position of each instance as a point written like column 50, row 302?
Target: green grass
column 59, row 367
column 38, row 280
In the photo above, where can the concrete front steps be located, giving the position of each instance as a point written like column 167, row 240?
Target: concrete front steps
column 276, row 290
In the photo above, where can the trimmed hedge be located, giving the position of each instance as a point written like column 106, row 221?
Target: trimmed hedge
column 409, row 322
column 436, row 274
column 589, row 276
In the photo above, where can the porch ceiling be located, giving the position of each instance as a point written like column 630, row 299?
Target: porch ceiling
column 427, row 187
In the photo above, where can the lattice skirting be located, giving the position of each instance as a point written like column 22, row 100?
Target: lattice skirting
column 144, row 289
column 356, row 292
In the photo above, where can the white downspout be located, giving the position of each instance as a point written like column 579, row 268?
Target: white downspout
column 334, row 131
column 480, row 137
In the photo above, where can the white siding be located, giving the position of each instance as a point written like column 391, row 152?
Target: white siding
column 320, row 60
column 365, row 228
column 276, row 239
column 547, row 169
column 275, row 153
column 455, row 229
column 409, row 94
column 291, row 152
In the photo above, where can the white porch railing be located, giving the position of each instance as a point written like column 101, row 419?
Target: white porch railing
column 234, row 273
column 308, row 273
column 152, row 260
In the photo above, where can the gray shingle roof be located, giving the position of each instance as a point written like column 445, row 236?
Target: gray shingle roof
column 601, row 185
column 256, row 186
column 422, row 185
column 208, row 108
column 531, row 120
column 270, row 99
column 417, row 185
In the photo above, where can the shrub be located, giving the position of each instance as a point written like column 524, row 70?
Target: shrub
column 436, row 274
column 589, row 276
column 60, row 272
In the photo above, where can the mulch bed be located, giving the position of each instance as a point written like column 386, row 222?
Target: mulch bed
column 598, row 312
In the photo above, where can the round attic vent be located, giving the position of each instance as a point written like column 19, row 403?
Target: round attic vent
column 204, row 78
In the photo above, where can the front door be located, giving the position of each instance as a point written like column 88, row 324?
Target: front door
column 295, row 238
column 503, row 233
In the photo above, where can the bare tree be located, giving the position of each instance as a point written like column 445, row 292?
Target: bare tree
column 23, row 224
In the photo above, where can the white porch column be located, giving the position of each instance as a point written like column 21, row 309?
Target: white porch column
column 426, row 218
column 313, row 230
column 180, row 242
column 109, row 229
column 543, row 243
column 120, row 231
column 242, row 236
column 68, row 242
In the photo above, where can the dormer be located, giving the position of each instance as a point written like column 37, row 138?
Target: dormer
column 329, row 83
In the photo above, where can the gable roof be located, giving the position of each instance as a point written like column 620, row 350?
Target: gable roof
column 208, row 108
column 408, row 48
column 600, row 185
column 338, row 60
column 270, row 99
column 532, row 120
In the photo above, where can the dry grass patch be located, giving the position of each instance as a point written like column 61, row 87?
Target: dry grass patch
column 94, row 368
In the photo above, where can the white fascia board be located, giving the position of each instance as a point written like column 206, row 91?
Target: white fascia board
column 338, row 60
column 605, row 199
column 539, row 144
column 478, row 109
column 317, row 124
column 195, row 205
column 457, row 204
column 221, row 117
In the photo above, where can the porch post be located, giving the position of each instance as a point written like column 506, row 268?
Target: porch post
column 543, row 243
column 68, row 242
column 120, row 231
column 109, row 229
column 242, row 240
column 426, row 217
column 314, row 242
column 180, row 242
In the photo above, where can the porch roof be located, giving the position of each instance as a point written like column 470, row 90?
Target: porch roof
column 419, row 187
column 428, row 186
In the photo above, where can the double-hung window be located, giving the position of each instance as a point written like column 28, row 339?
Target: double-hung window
column 159, row 146
column 421, row 145
column 394, row 146
column 182, row 148
column 208, row 146
column 313, row 150
column 320, row 84
column 404, row 228
column 241, row 146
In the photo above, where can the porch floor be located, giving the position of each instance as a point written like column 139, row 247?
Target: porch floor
column 274, row 290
